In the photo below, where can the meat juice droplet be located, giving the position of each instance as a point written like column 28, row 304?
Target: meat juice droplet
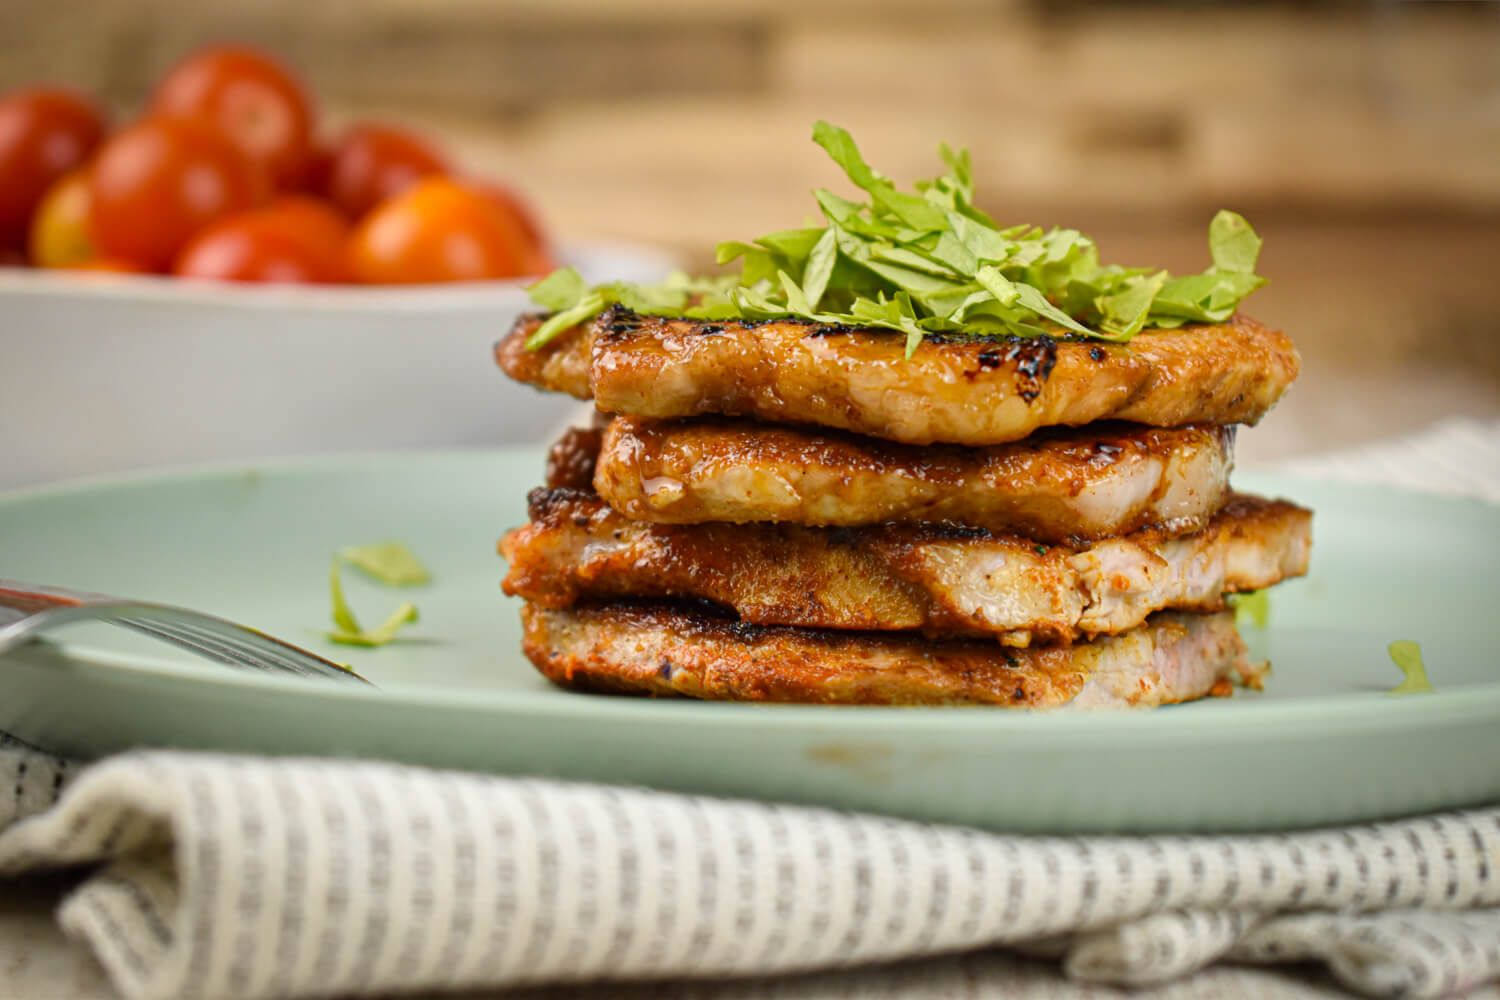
column 662, row 490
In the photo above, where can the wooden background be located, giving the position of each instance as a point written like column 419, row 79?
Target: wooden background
column 1363, row 140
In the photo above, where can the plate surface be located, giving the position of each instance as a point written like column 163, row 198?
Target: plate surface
column 1323, row 744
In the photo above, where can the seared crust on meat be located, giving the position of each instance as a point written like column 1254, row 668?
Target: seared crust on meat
column 666, row 651
column 571, row 461
column 1098, row 481
column 934, row 578
column 953, row 389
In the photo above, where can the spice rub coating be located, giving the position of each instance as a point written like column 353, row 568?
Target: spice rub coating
column 958, row 390
column 671, row 651
column 937, row 579
column 1059, row 484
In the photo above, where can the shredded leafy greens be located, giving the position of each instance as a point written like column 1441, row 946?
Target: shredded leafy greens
column 390, row 563
column 1407, row 655
column 1253, row 608
column 927, row 261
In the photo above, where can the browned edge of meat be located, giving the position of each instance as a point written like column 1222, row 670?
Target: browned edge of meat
column 1059, row 484
column 958, row 390
column 669, row 651
column 937, row 579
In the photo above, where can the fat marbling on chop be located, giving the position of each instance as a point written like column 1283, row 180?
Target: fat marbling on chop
column 907, row 456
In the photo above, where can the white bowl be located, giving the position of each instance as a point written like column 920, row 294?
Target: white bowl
column 104, row 373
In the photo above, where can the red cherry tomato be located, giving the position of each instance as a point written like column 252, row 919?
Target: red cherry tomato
column 60, row 225
column 279, row 244
column 375, row 162
column 311, row 220
column 440, row 230
column 160, row 181
column 44, row 133
column 255, row 99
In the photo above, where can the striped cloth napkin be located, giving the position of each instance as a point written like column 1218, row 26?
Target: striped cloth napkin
column 247, row 877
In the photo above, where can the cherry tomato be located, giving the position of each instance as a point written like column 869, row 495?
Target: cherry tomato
column 272, row 244
column 44, row 133
column 158, row 182
column 255, row 99
column 60, row 226
column 311, row 220
column 111, row 265
column 511, row 201
column 440, row 230
column 375, row 162
column 317, row 170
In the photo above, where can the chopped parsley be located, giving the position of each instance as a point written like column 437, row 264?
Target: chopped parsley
column 1254, row 608
column 1407, row 654
column 927, row 261
column 390, row 563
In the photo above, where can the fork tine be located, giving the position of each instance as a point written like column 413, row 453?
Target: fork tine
column 250, row 645
column 212, row 650
column 246, row 645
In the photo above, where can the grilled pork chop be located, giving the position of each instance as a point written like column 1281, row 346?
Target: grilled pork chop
column 657, row 650
column 953, row 389
column 1059, row 484
column 935, row 578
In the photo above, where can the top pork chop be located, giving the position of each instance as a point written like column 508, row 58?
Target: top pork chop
column 953, row 389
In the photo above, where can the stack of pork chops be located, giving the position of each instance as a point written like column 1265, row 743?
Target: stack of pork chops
column 788, row 511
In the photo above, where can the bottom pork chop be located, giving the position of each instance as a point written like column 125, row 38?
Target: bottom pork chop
column 934, row 578
column 1094, row 482
column 660, row 650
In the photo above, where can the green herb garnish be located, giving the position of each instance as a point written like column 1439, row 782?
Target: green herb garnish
column 927, row 261
column 1254, row 607
column 390, row 563
column 1407, row 654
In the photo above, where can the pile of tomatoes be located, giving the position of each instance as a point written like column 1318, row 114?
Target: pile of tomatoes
column 225, row 177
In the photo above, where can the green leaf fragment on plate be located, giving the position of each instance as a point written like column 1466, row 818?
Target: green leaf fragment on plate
column 946, row 265
column 1254, row 608
column 1407, row 654
column 391, row 563
column 381, row 634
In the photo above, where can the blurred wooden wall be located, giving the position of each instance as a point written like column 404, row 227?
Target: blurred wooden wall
column 1363, row 139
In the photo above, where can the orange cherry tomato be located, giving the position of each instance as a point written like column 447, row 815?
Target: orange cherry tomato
column 257, row 101
column 44, row 133
column 60, row 226
column 158, row 182
column 111, row 265
column 440, row 230
column 271, row 245
column 375, row 162
column 511, row 201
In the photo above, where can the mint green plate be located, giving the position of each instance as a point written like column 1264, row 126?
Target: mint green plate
column 1323, row 744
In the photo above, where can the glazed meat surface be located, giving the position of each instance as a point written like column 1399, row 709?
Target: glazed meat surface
column 1095, row 482
column 953, row 389
column 933, row 578
column 668, row 651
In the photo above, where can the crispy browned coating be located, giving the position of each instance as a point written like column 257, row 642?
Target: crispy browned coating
column 956, row 390
column 931, row 578
column 665, row 651
column 571, row 460
column 1102, row 480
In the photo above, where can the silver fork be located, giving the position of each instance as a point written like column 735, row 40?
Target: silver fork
column 27, row 609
